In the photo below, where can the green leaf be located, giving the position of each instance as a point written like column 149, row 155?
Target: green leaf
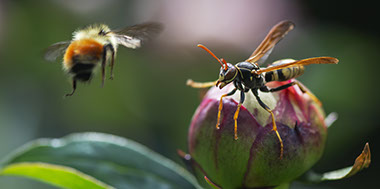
column 61, row 176
column 117, row 161
column 283, row 186
column 209, row 182
column 361, row 162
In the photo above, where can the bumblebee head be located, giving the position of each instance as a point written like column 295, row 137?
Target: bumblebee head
column 95, row 31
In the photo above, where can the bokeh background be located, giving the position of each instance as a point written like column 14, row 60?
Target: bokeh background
column 148, row 100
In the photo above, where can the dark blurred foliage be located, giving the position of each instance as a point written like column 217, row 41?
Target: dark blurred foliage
column 359, row 15
column 148, row 101
column 355, row 40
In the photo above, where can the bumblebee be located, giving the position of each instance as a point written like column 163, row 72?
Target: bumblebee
column 96, row 45
column 248, row 76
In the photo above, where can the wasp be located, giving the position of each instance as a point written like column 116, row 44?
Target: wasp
column 249, row 76
column 96, row 45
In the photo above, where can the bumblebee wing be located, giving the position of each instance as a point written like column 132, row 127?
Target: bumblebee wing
column 304, row 62
column 134, row 36
column 266, row 46
column 57, row 49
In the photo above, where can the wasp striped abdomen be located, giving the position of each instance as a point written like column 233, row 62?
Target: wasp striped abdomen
column 284, row 74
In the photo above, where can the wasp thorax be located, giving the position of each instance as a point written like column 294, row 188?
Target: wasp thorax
column 226, row 76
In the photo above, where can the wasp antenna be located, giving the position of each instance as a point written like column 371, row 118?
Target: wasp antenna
column 225, row 63
column 212, row 54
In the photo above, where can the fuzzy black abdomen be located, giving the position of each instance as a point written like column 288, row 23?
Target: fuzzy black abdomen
column 82, row 72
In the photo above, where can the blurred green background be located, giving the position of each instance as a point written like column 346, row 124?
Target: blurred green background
column 148, row 100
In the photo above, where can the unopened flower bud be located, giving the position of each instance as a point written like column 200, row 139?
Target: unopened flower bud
column 254, row 159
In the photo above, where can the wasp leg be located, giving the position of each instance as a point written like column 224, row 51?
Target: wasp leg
column 303, row 89
column 242, row 98
column 262, row 104
column 193, row 84
column 307, row 91
column 221, row 106
column 74, row 88
column 266, row 89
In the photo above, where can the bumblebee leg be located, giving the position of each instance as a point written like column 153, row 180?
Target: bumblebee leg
column 221, row 106
column 242, row 98
column 193, row 84
column 104, row 60
column 103, row 74
column 112, row 62
column 104, row 64
column 262, row 104
column 74, row 88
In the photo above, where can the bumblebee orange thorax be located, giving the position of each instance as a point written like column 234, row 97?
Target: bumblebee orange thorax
column 84, row 51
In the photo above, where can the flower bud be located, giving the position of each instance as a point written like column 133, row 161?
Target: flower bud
column 254, row 159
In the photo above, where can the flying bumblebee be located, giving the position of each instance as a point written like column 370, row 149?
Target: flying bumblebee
column 94, row 46
column 248, row 76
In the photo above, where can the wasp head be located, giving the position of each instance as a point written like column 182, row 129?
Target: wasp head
column 227, row 74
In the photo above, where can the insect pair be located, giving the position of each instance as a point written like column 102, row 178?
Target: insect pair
column 96, row 45
column 247, row 76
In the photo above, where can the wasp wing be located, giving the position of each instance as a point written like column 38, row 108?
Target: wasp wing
column 266, row 46
column 304, row 62
column 134, row 36
column 55, row 50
